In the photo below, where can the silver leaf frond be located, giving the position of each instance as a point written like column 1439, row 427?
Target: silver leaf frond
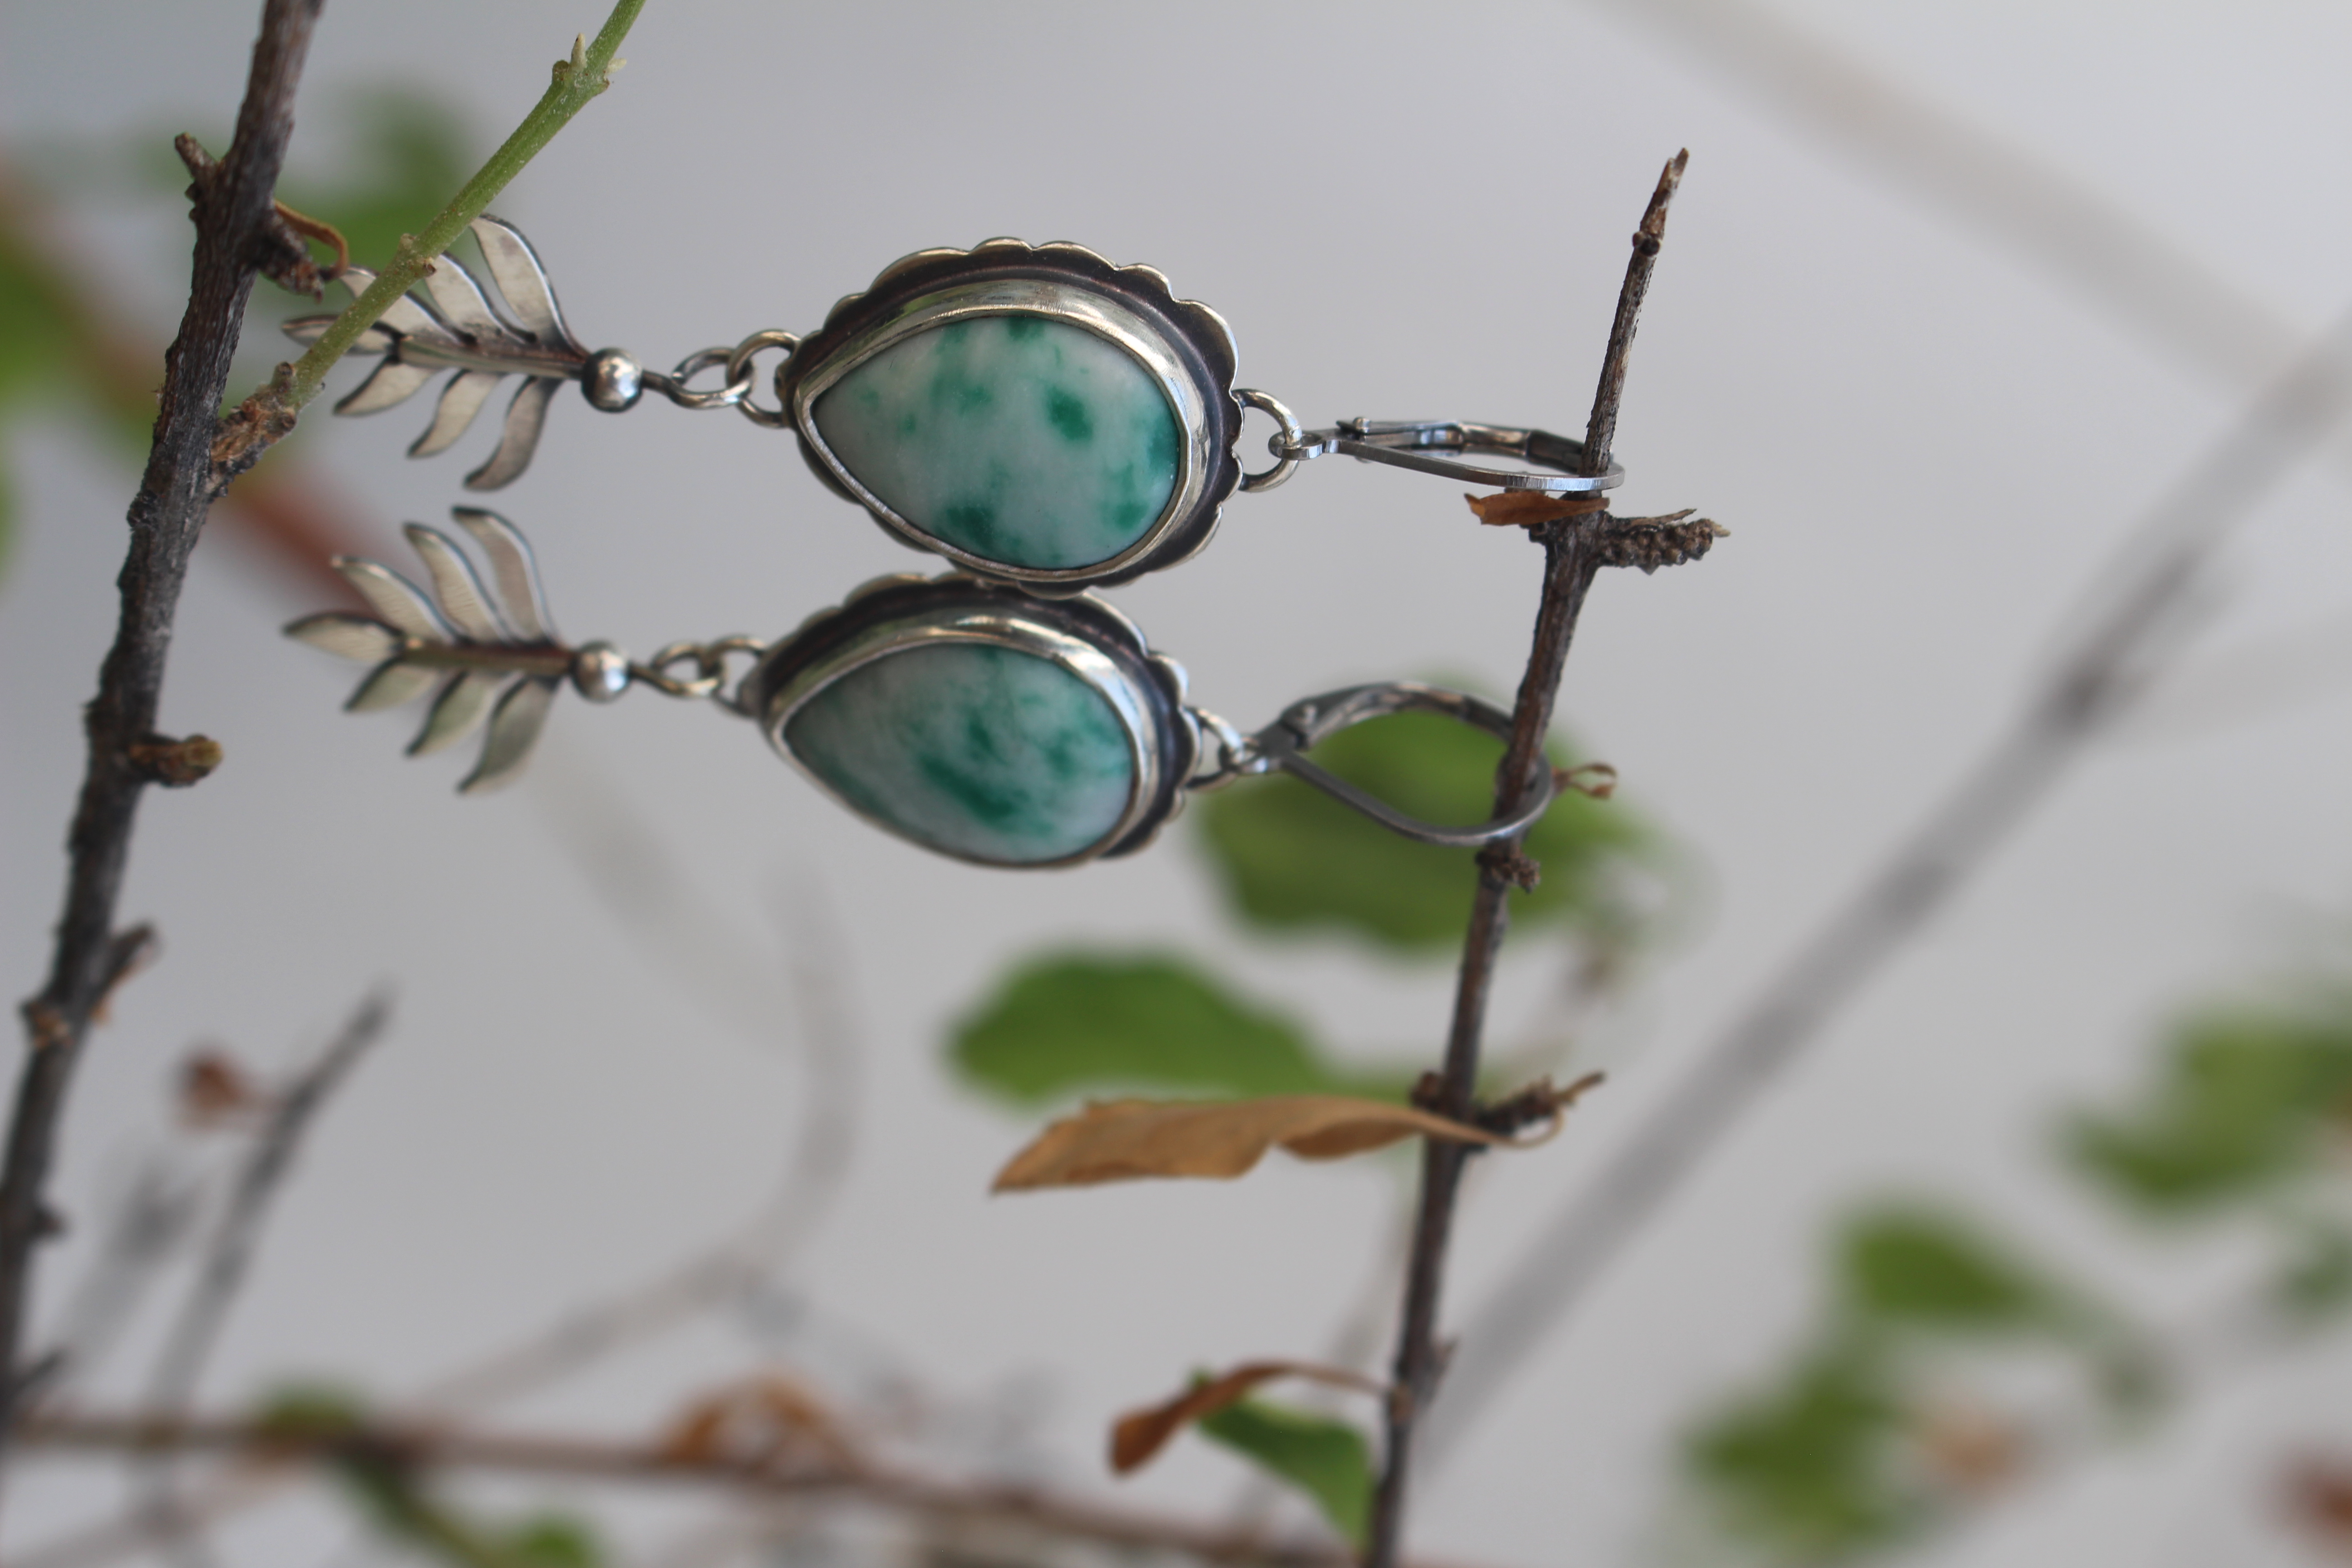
column 483, row 644
column 512, row 328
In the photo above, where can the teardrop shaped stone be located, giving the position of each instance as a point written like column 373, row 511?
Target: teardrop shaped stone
column 1019, row 439
column 975, row 749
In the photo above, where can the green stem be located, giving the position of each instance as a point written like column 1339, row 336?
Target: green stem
column 577, row 81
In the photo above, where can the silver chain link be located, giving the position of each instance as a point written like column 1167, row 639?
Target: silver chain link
column 735, row 393
column 1237, row 755
column 709, row 677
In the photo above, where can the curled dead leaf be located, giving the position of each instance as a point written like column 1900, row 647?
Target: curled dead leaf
column 214, row 1088
column 1119, row 1140
column 1597, row 780
column 1526, row 509
column 1139, row 1434
column 760, row 1423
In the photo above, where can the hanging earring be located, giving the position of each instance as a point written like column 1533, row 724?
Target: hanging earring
column 958, row 713
column 1032, row 414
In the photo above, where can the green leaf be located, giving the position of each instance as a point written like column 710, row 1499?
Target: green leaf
column 412, row 157
column 1805, row 1470
column 398, row 1506
column 2245, row 1103
column 1074, row 1022
column 2317, row 1280
column 1919, row 1267
column 1291, row 857
column 36, row 341
column 1329, row 1460
column 554, row 1540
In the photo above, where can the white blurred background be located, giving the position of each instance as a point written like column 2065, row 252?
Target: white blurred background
column 1927, row 419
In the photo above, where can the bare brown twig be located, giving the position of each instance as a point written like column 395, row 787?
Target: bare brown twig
column 233, row 215
column 427, row 1448
column 2106, row 667
column 1575, row 548
column 257, row 1182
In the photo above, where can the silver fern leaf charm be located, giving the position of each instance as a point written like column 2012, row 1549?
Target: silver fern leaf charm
column 457, row 326
column 487, row 648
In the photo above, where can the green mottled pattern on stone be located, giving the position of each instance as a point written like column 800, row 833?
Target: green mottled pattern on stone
column 973, row 748
column 1019, row 439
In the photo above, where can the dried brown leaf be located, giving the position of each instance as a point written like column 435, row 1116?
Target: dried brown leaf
column 1526, row 509
column 214, row 1088
column 1119, row 1140
column 757, row 1421
column 1139, row 1434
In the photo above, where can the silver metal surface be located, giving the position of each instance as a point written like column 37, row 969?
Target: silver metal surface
column 461, row 399
column 600, row 672
column 1305, row 723
column 513, row 568
column 612, row 380
column 491, row 653
column 1285, row 443
column 1414, row 443
column 459, row 327
column 738, row 367
column 673, row 386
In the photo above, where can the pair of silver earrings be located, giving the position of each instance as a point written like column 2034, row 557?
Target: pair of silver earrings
column 1047, row 422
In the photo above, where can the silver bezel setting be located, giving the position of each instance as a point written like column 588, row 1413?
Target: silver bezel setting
column 1084, row 637
column 1185, row 346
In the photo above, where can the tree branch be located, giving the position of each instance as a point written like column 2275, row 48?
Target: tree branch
column 265, row 417
column 2108, row 665
column 1575, row 548
column 234, row 211
column 442, row 1447
column 266, row 1165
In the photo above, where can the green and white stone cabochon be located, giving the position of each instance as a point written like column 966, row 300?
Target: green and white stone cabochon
column 972, row 748
column 1019, row 439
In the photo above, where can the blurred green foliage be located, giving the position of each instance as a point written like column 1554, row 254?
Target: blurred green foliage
column 2315, row 1281
column 1805, row 1470
column 412, row 158
column 393, row 1499
column 1918, row 1267
column 1834, row 1459
column 1822, row 1465
column 1079, row 1023
column 1328, row 1460
column 2245, row 1102
column 1291, row 857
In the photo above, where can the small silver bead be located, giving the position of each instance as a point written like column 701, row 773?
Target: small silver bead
column 601, row 672
column 612, row 380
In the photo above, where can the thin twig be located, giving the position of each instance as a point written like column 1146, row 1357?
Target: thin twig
column 739, row 980
column 1573, row 553
column 268, row 416
column 2124, row 268
column 437, row 1447
column 232, row 212
column 226, row 1260
column 230, row 1255
column 277, row 508
column 2104, row 670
